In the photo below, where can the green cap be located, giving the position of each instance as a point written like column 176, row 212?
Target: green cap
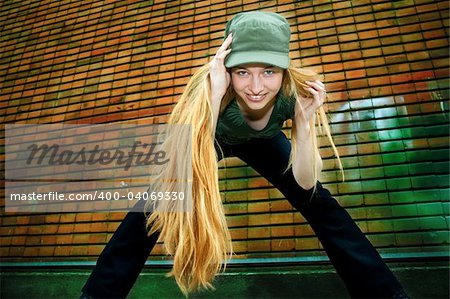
column 258, row 37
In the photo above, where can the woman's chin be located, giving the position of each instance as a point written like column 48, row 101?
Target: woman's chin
column 257, row 105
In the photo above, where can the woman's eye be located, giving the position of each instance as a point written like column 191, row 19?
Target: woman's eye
column 268, row 72
column 241, row 73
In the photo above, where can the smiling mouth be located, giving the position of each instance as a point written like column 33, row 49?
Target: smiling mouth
column 257, row 98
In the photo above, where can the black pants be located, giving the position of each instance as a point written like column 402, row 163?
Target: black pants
column 355, row 259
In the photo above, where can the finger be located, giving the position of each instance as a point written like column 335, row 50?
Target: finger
column 226, row 43
column 317, row 84
column 224, row 54
column 320, row 83
column 319, row 89
column 313, row 91
column 317, row 100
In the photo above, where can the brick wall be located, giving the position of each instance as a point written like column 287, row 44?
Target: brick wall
column 385, row 65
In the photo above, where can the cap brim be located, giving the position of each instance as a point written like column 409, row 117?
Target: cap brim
column 238, row 58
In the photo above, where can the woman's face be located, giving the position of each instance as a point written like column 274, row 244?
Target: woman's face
column 256, row 84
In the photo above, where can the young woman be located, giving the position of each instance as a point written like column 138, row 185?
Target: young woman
column 236, row 106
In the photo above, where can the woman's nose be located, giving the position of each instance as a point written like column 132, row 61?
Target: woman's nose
column 256, row 85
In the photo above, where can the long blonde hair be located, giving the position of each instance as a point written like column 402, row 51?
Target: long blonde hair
column 199, row 239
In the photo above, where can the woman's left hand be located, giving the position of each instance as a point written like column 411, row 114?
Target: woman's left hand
column 310, row 105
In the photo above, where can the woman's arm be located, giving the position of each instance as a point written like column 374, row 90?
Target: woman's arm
column 220, row 79
column 303, row 167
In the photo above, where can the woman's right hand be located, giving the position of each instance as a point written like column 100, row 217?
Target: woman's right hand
column 219, row 77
